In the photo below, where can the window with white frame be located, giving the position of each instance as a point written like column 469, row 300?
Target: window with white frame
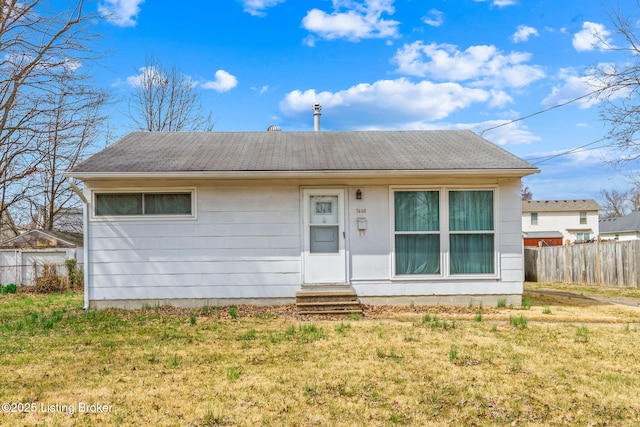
column 471, row 232
column 430, row 223
column 534, row 218
column 583, row 217
column 417, row 232
column 177, row 203
column 583, row 236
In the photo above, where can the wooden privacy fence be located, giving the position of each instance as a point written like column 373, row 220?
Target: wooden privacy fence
column 598, row 263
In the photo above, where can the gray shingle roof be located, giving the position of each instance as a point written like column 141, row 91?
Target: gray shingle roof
column 170, row 152
column 30, row 238
column 542, row 234
column 559, row 205
column 629, row 222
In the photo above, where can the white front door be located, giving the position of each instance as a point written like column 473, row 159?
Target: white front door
column 324, row 236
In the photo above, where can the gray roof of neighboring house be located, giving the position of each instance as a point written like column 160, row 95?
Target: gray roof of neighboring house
column 30, row 239
column 542, row 234
column 179, row 152
column 559, row 205
column 629, row 222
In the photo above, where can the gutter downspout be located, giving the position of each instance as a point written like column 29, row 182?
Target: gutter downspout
column 85, row 240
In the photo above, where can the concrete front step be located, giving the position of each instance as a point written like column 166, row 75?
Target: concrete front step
column 333, row 312
column 328, row 302
column 328, row 305
column 324, row 296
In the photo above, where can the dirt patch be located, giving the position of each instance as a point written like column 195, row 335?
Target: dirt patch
column 545, row 297
column 560, row 298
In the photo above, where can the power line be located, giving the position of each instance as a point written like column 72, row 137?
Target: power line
column 564, row 153
column 540, row 112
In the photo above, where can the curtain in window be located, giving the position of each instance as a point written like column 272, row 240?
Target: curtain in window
column 167, row 203
column 417, row 211
column 470, row 210
column 471, row 253
column 119, row 204
column 417, row 254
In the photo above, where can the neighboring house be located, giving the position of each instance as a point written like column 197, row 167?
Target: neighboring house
column 8, row 228
column 622, row 228
column 22, row 257
column 543, row 238
column 253, row 217
column 68, row 220
column 552, row 221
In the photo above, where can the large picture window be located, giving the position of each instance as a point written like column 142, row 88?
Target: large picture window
column 133, row 204
column 454, row 226
column 417, row 232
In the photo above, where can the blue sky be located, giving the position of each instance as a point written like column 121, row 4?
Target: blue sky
column 385, row 64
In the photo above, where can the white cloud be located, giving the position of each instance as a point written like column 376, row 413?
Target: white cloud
column 149, row 74
column 257, row 7
column 224, row 82
column 483, row 65
column 123, row 13
column 575, row 86
column 434, row 18
column 499, row 98
column 576, row 158
column 387, row 102
column 352, row 20
column 584, row 157
column 523, row 33
column 592, row 36
column 508, row 133
column 261, row 90
column 499, row 3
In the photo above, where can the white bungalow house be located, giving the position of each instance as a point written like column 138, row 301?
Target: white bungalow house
column 253, row 217
column 621, row 228
column 556, row 222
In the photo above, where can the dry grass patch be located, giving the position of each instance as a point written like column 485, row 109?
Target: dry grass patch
column 165, row 367
column 623, row 294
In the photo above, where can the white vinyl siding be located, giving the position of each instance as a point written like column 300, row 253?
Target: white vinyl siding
column 245, row 244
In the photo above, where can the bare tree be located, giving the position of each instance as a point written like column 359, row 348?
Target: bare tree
column 36, row 45
column 70, row 126
column 166, row 100
column 614, row 203
column 525, row 193
column 635, row 199
column 618, row 87
column 634, row 193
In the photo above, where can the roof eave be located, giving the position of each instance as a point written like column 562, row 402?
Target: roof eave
column 88, row 176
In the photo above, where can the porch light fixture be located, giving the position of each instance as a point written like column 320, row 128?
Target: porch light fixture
column 359, row 194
